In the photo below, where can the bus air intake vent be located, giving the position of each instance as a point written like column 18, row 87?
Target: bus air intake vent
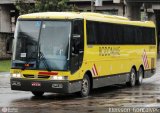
column 28, row 76
column 43, row 76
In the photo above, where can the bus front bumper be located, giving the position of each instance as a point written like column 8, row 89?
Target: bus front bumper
column 45, row 85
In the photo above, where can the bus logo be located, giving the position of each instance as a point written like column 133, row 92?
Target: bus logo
column 94, row 70
column 145, row 60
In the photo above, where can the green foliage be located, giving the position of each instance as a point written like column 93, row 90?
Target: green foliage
column 24, row 7
column 5, row 65
column 44, row 6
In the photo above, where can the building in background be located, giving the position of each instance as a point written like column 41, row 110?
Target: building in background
column 8, row 16
column 103, row 6
column 133, row 9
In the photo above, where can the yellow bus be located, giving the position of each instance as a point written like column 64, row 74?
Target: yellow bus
column 68, row 52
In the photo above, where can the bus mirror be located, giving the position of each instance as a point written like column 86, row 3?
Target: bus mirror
column 76, row 42
column 76, row 36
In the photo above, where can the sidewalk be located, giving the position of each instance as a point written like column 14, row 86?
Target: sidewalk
column 4, row 74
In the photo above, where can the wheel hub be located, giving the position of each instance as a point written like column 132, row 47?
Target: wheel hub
column 140, row 77
column 133, row 78
column 85, row 86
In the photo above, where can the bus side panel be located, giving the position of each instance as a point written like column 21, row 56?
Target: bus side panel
column 108, row 69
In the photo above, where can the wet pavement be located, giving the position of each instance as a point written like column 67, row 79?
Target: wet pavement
column 146, row 95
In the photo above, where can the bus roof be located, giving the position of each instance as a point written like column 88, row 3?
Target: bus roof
column 52, row 15
column 88, row 16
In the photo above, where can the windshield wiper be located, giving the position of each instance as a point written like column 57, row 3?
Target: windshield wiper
column 42, row 57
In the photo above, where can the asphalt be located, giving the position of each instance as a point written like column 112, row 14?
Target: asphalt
column 146, row 95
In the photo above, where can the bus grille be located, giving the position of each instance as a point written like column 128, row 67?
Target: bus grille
column 43, row 76
column 28, row 76
column 39, row 76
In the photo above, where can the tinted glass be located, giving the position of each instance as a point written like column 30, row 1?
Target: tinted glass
column 108, row 33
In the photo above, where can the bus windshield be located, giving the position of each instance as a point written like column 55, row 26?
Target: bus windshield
column 44, row 44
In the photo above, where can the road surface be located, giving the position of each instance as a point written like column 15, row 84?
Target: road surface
column 146, row 95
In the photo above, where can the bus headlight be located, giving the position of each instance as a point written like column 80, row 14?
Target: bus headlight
column 59, row 78
column 16, row 75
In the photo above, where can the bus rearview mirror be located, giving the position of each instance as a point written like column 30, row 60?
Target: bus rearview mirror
column 76, row 36
column 76, row 42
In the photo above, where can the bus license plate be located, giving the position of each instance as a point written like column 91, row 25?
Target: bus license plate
column 36, row 84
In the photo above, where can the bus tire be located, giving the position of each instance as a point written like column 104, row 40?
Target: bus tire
column 140, row 76
column 85, row 86
column 132, row 78
column 37, row 93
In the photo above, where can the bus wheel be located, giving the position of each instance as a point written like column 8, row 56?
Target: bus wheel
column 37, row 93
column 140, row 76
column 85, row 88
column 132, row 78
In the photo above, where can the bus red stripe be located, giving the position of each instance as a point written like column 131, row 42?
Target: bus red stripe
column 145, row 64
column 95, row 69
column 48, row 73
column 145, row 60
column 93, row 72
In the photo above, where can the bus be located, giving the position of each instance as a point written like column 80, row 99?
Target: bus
column 71, row 52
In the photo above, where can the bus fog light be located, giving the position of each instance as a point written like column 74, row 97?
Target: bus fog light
column 16, row 75
column 54, row 77
column 59, row 78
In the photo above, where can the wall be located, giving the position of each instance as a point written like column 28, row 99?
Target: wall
column 3, row 45
column 5, row 19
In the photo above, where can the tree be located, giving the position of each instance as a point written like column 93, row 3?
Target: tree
column 43, row 6
column 24, row 7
